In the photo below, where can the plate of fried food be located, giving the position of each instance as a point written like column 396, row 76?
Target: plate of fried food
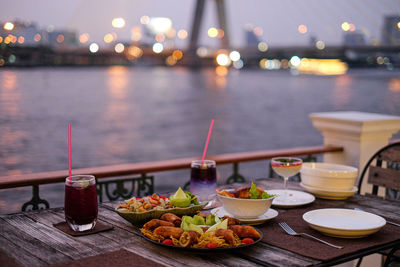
column 139, row 210
column 200, row 232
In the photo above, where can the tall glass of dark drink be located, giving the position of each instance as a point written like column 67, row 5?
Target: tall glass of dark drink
column 203, row 179
column 81, row 202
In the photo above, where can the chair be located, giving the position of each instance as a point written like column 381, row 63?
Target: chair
column 386, row 173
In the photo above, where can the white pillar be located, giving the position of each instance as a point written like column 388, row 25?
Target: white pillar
column 360, row 134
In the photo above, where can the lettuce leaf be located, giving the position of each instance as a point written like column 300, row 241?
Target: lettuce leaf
column 253, row 191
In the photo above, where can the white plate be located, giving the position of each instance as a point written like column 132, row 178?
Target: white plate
column 294, row 199
column 330, row 194
column 270, row 214
column 345, row 223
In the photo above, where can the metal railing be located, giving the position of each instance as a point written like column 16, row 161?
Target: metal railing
column 136, row 174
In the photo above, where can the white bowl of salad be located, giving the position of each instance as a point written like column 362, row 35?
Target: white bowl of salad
column 246, row 202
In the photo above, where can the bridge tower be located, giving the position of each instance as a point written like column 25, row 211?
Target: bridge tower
column 197, row 19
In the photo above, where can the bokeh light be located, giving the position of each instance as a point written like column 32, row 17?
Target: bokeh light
column 135, row 51
column 37, row 37
column 108, row 38
column 83, row 38
column 258, row 31
column 202, row 51
column 170, row 61
column 345, row 26
column 93, row 47
column 158, row 48
column 262, row 46
column 302, row 29
column 144, row 20
column 212, row 32
column 182, row 34
column 119, row 48
column 352, row 27
column 295, row 61
column 223, row 59
column 9, row 26
column 21, row 40
column 60, row 38
column 320, row 45
column 234, row 55
column 118, row 23
column 177, row 54
column 238, row 64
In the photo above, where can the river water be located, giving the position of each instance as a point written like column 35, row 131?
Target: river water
column 122, row 115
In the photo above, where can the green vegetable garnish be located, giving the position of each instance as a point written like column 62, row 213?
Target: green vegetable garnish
column 180, row 199
column 198, row 220
column 193, row 198
column 210, row 220
column 254, row 193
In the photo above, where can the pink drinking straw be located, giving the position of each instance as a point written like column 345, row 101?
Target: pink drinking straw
column 208, row 140
column 69, row 152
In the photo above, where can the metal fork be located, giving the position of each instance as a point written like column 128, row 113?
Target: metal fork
column 290, row 231
column 390, row 222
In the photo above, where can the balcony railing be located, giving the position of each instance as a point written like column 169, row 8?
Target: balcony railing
column 137, row 173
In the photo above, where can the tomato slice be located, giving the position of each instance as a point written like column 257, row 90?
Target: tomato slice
column 211, row 245
column 247, row 241
column 168, row 242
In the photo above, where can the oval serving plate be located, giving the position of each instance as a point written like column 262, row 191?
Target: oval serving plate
column 140, row 217
column 208, row 249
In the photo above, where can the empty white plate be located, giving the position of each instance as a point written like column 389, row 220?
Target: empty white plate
column 294, row 198
column 330, row 194
column 270, row 214
column 345, row 223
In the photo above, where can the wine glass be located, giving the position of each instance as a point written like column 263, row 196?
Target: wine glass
column 286, row 167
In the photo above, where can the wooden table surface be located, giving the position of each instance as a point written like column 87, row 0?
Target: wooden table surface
column 31, row 239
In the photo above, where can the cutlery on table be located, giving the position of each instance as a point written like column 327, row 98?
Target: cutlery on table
column 392, row 223
column 290, row 231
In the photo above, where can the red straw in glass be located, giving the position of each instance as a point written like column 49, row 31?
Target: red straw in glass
column 208, row 140
column 69, row 152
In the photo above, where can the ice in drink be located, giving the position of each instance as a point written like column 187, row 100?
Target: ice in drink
column 203, row 179
column 81, row 202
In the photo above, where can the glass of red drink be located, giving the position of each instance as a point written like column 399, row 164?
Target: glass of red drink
column 203, row 179
column 80, row 204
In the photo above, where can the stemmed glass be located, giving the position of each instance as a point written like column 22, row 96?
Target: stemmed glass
column 286, row 167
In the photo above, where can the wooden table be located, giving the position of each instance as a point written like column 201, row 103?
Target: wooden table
column 31, row 240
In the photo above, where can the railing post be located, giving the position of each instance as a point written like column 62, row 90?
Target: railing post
column 360, row 134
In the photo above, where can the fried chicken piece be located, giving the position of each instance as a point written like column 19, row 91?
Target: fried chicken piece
column 226, row 234
column 245, row 231
column 169, row 217
column 225, row 193
column 168, row 231
column 153, row 224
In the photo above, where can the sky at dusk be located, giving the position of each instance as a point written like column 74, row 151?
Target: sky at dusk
column 279, row 19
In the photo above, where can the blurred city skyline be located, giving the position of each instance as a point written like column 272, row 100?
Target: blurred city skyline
column 282, row 23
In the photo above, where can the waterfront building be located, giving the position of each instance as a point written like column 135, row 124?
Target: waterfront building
column 355, row 38
column 391, row 30
column 19, row 33
column 63, row 38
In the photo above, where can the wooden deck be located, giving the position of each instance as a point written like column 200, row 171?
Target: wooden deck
column 31, row 240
